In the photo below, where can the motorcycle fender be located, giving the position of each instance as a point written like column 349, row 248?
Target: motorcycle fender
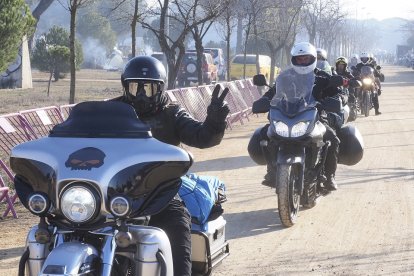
column 293, row 154
column 70, row 258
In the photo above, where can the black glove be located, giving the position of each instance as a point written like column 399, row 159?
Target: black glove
column 336, row 81
column 218, row 109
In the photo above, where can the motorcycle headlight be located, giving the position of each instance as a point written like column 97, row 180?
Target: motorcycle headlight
column 299, row 129
column 281, row 128
column 119, row 206
column 38, row 204
column 367, row 81
column 78, row 204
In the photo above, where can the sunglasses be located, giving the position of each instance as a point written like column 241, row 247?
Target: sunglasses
column 149, row 89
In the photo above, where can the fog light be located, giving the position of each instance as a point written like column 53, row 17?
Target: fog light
column 119, row 206
column 42, row 236
column 123, row 239
column 38, row 204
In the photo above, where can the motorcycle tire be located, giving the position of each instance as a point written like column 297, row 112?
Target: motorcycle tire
column 366, row 104
column 288, row 197
column 308, row 199
column 352, row 115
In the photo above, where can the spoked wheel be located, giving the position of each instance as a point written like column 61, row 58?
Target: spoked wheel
column 287, row 177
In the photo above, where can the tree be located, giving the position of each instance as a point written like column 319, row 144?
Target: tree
column 94, row 25
column 41, row 7
column 199, row 31
column 73, row 6
column 46, row 48
column 129, row 12
column 276, row 29
column 180, row 11
column 16, row 21
column 227, row 23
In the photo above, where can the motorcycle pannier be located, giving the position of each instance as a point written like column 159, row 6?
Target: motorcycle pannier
column 351, row 148
column 208, row 246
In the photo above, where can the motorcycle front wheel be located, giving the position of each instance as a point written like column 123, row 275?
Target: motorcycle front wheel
column 366, row 104
column 288, row 196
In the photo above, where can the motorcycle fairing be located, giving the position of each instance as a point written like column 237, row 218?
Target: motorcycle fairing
column 132, row 167
column 276, row 114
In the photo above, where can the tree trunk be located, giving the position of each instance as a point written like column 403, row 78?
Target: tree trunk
column 239, row 34
column 50, row 80
column 228, row 36
column 199, row 49
column 73, row 10
column 37, row 12
column 133, row 30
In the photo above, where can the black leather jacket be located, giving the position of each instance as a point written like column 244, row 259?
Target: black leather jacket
column 173, row 125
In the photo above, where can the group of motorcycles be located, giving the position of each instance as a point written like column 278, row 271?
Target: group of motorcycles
column 360, row 98
column 97, row 178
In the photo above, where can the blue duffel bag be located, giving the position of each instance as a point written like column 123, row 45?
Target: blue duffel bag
column 202, row 196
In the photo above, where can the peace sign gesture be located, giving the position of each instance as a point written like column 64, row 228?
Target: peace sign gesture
column 218, row 110
column 215, row 98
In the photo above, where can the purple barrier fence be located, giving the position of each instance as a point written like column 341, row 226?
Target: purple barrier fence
column 194, row 102
column 65, row 110
column 42, row 120
column 14, row 129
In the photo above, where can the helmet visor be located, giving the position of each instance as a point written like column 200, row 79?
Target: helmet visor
column 148, row 89
column 304, row 60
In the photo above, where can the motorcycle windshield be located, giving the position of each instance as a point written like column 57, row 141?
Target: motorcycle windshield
column 293, row 92
column 367, row 71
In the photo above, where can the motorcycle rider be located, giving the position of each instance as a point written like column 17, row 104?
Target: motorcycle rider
column 143, row 80
column 354, row 61
column 366, row 61
column 341, row 69
column 303, row 63
column 322, row 61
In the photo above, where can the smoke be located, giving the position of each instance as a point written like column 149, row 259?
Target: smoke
column 94, row 55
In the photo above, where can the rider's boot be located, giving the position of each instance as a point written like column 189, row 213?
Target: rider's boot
column 270, row 177
column 330, row 183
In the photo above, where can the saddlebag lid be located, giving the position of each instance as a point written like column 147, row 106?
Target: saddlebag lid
column 102, row 119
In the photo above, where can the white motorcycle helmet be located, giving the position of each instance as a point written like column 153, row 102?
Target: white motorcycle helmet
column 303, row 49
column 364, row 57
column 321, row 54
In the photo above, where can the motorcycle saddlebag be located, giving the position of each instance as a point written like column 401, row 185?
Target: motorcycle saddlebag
column 351, row 148
column 208, row 246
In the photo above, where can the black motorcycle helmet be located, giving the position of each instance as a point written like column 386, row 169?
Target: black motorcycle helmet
column 143, row 80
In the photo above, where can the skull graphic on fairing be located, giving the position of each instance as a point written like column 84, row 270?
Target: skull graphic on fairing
column 85, row 159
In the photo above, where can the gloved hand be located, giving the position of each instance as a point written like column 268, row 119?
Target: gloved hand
column 336, row 81
column 218, row 109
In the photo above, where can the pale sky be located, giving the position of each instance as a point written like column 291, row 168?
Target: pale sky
column 380, row 9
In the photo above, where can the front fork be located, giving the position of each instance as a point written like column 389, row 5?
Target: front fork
column 38, row 252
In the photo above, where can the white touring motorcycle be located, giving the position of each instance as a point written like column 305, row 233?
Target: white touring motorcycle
column 94, row 182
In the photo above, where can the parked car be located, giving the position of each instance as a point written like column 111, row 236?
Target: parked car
column 217, row 54
column 236, row 66
column 188, row 69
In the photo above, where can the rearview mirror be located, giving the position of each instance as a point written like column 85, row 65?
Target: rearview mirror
column 259, row 80
column 378, row 67
column 262, row 105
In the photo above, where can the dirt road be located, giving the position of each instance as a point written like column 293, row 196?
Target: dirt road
column 364, row 228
